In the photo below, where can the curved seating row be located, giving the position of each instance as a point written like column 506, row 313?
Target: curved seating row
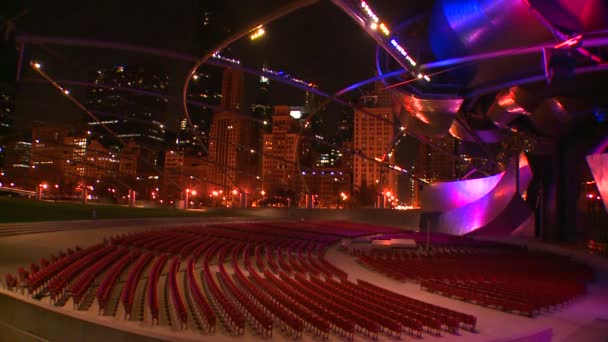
column 83, row 282
column 128, row 291
column 58, row 283
column 110, row 278
column 176, row 297
column 152, row 292
column 232, row 317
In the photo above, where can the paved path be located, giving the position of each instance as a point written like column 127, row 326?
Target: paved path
column 11, row 229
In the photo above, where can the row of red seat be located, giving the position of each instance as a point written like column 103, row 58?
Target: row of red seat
column 45, row 273
column 202, row 309
column 258, row 257
column 329, row 267
column 312, row 321
column 110, row 278
column 84, row 280
column 363, row 323
column 270, row 261
column 10, row 281
column 176, row 297
column 289, row 321
column 58, row 283
column 407, row 318
column 128, row 291
column 362, row 314
column 508, row 279
column 152, row 292
column 257, row 317
column 338, row 324
column 232, row 317
column 468, row 321
column 410, row 316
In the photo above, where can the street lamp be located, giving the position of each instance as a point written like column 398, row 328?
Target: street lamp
column 257, row 33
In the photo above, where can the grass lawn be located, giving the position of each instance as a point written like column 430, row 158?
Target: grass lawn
column 21, row 210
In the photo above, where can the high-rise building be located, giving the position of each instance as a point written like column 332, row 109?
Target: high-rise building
column 7, row 109
column 233, row 86
column 345, row 127
column 231, row 162
column 101, row 162
column 434, row 165
column 330, row 188
column 280, row 152
column 373, row 135
column 130, row 115
column 57, row 153
column 138, row 167
column 205, row 88
column 262, row 108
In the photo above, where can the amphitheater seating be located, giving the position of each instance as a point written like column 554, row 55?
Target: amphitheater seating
column 177, row 300
column 58, row 283
column 503, row 277
column 274, row 276
column 44, row 274
column 110, row 278
column 232, row 317
column 202, row 309
column 152, row 291
column 81, row 285
column 10, row 281
column 128, row 290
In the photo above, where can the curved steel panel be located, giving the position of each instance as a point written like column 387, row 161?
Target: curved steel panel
column 445, row 196
column 598, row 163
column 508, row 221
column 506, row 109
column 432, row 117
column 574, row 15
column 553, row 116
column 488, row 136
column 480, row 213
column 482, row 26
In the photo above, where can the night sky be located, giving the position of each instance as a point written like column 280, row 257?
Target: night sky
column 320, row 44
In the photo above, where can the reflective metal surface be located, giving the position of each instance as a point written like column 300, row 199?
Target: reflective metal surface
column 432, row 117
column 598, row 163
column 483, row 211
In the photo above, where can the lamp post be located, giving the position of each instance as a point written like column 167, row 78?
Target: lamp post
column 39, row 189
column 186, row 198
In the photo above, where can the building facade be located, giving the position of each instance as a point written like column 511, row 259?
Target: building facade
column 280, row 151
column 373, row 136
column 121, row 104
column 434, row 165
column 231, row 163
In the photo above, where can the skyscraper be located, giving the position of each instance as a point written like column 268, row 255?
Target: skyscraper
column 433, row 165
column 280, row 152
column 372, row 139
column 262, row 108
column 57, row 153
column 7, row 110
column 130, row 115
column 205, row 88
column 231, row 163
